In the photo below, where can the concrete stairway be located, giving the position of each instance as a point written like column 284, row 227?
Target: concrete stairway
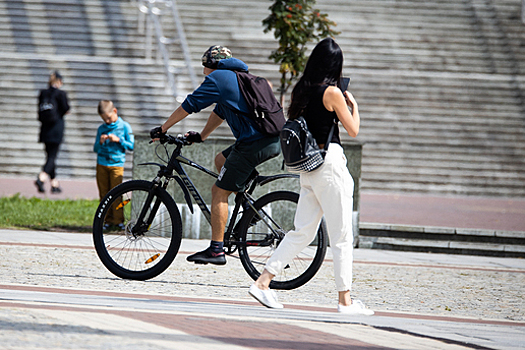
column 96, row 47
column 440, row 84
column 441, row 108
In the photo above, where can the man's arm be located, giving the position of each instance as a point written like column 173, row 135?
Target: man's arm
column 174, row 118
column 213, row 123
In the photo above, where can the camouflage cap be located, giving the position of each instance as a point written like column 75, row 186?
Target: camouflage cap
column 214, row 54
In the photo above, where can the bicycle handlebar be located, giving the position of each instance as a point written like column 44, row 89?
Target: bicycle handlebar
column 172, row 140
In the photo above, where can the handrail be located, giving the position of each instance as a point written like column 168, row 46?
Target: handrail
column 150, row 15
column 163, row 50
column 183, row 42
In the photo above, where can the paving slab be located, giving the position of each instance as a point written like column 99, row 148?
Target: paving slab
column 54, row 293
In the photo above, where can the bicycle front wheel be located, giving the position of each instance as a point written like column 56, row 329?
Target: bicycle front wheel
column 137, row 250
column 261, row 234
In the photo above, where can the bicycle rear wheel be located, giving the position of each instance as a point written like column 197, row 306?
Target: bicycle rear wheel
column 134, row 251
column 260, row 237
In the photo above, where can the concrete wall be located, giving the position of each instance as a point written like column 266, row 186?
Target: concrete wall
column 196, row 226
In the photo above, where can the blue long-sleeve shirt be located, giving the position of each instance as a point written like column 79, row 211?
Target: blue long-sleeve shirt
column 114, row 153
column 221, row 87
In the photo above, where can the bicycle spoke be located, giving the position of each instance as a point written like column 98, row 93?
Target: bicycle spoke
column 263, row 231
column 135, row 251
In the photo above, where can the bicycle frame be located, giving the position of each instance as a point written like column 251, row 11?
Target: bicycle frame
column 189, row 189
column 153, row 226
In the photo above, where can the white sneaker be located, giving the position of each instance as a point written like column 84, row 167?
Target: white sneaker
column 265, row 297
column 356, row 308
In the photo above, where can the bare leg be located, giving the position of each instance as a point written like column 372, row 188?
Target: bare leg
column 261, row 292
column 43, row 176
column 219, row 205
column 219, row 212
column 214, row 254
column 219, row 161
column 263, row 282
column 344, row 298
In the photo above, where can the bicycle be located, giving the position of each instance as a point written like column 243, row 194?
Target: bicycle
column 153, row 227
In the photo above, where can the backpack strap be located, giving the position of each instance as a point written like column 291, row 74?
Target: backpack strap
column 330, row 134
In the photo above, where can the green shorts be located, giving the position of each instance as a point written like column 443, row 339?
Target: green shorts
column 241, row 160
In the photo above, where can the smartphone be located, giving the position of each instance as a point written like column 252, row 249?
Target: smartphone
column 344, row 84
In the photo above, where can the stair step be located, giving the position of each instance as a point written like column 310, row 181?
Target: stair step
column 439, row 97
column 442, row 240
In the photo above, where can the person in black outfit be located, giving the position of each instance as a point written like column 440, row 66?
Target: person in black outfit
column 53, row 101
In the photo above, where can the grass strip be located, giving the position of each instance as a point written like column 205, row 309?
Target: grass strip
column 47, row 214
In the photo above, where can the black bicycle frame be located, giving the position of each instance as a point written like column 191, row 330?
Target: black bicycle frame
column 190, row 190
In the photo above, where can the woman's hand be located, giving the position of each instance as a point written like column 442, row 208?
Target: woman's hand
column 350, row 101
column 335, row 101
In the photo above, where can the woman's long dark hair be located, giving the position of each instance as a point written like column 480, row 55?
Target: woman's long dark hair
column 324, row 66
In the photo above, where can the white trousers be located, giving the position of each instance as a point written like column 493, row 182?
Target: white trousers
column 326, row 191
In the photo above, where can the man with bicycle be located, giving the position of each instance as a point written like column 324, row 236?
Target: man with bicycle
column 236, row 163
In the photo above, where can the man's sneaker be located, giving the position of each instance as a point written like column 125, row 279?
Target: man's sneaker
column 356, row 308
column 121, row 227
column 266, row 297
column 106, row 227
column 39, row 185
column 208, row 257
column 56, row 190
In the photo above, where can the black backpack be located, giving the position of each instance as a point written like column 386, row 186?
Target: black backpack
column 266, row 111
column 47, row 107
column 300, row 150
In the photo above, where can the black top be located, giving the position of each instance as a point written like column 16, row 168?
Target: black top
column 53, row 133
column 319, row 119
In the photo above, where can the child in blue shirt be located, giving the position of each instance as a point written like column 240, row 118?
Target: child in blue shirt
column 114, row 137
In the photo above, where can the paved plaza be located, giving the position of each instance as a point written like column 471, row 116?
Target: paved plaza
column 56, row 294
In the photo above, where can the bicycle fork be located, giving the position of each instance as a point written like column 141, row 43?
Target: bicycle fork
column 142, row 226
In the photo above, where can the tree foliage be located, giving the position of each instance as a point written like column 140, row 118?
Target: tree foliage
column 295, row 23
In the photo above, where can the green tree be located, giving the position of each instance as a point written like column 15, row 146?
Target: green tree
column 295, row 23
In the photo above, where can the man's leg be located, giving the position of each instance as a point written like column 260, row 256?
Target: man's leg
column 214, row 254
column 219, row 205
column 219, row 212
column 220, row 159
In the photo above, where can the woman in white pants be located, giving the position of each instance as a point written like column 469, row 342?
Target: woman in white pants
column 327, row 190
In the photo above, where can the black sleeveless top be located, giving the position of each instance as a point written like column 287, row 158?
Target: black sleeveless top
column 319, row 119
